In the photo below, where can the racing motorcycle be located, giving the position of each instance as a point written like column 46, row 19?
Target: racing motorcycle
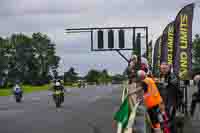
column 58, row 98
column 18, row 96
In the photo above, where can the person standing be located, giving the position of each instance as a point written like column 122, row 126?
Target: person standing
column 152, row 99
column 169, row 89
column 196, row 95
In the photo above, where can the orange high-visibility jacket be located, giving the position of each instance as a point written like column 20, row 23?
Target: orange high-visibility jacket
column 152, row 96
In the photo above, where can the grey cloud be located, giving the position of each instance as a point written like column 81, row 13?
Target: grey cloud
column 32, row 7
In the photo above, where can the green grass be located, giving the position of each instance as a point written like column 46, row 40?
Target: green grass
column 29, row 88
column 26, row 89
column 5, row 92
column 74, row 85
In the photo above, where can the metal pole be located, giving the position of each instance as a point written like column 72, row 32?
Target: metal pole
column 186, row 98
column 124, row 49
column 97, row 28
column 147, row 52
column 134, row 45
column 119, row 128
column 77, row 31
column 122, row 55
column 92, row 48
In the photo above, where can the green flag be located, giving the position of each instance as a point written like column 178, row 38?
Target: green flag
column 122, row 115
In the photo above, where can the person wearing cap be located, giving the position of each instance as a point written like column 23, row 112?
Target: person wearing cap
column 134, row 91
column 152, row 99
column 134, row 88
column 132, row 66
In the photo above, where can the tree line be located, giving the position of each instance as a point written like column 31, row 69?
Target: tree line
column 93, row 76
column 196, row 54
column 26, row 58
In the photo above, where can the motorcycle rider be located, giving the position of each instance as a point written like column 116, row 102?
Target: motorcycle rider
column 17, row 89
column 58, row 86
column 152, row 99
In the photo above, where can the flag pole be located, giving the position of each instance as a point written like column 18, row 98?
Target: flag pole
column 119, row 128
column 124, row 94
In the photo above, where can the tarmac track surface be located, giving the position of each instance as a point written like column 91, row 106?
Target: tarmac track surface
column 85, row 110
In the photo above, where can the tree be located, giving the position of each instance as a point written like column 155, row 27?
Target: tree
column 104, row 77
column 126, row 72
column 118, row 78
column 3, row 61
column 22, row 57
column 105, row 73
column 196, row 53
column 28, row 59
column 70, row 75
column 93, row 76
column 44, row 54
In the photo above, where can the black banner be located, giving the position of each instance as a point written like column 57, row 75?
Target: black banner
column 156, row 56
column 167, row 44
column 149, row 51
column 183, row 43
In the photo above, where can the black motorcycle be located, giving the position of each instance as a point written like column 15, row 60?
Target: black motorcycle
column 58, row 98
column 18, row 96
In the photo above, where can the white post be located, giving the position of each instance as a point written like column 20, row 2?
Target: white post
column 132, row 118
column 119, row 128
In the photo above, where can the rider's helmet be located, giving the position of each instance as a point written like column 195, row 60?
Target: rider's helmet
column 57, row 84
column 59, row 80
column 141, row 75
column 17, row 82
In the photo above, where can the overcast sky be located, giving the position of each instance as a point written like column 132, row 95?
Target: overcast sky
column 53, row 16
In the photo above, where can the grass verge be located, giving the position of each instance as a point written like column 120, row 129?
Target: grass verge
column 26, row 89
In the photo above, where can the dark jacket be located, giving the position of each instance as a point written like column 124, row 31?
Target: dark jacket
column 170, row 89
column 198, row 87
column 58, row 88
